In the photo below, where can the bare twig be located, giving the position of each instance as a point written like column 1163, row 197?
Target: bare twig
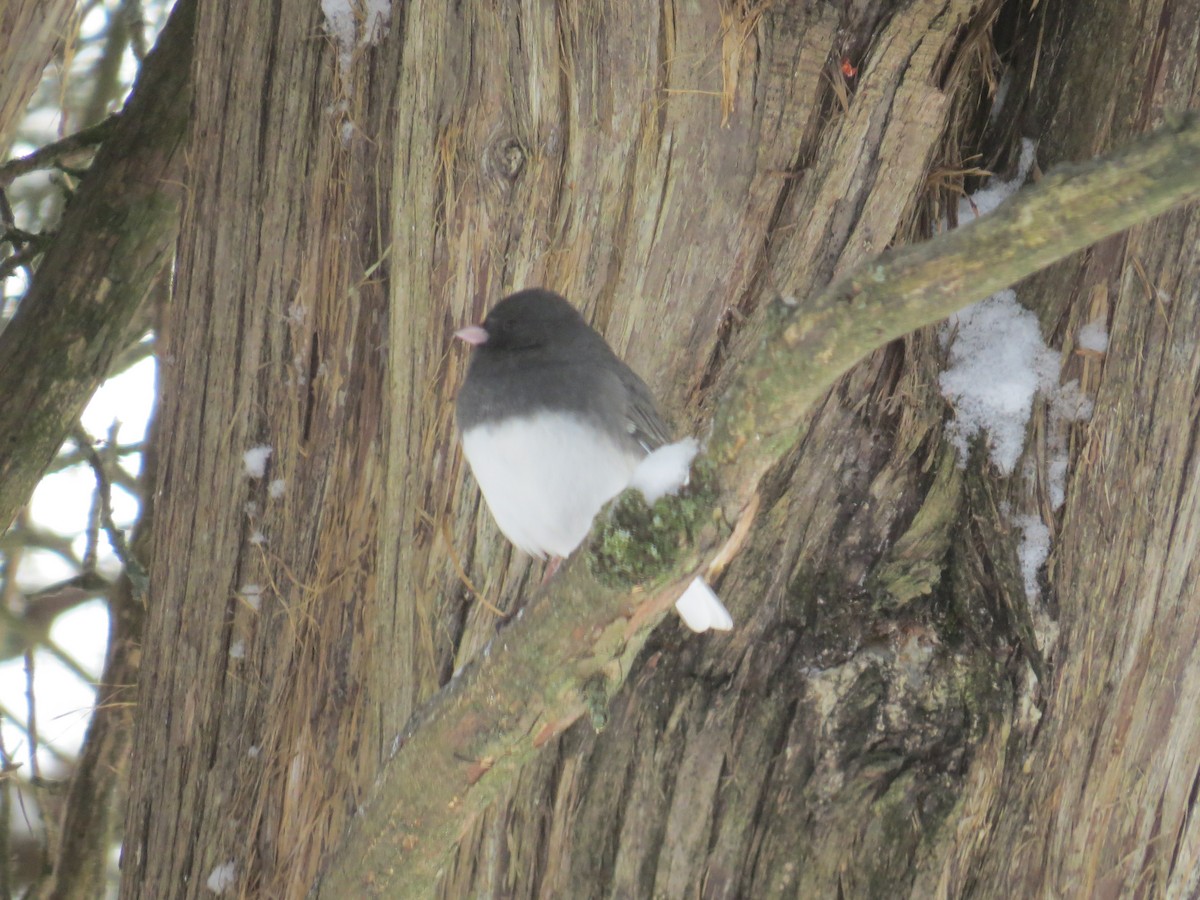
column 105, row 76
column 116, row 536
column 19, row 237
column 27, row 633
column 52, row 154
column 19, row 723
column 75, row 457
column 100, row 497
column 22, row 259
column 135, row 21
column 31, row 716
column 28, row 535
column 29, row 629
column 35, row 771
column 7, row 767
column 133, row 354
column 88, row 584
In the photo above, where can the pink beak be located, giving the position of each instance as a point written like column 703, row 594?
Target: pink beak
column 472, row 334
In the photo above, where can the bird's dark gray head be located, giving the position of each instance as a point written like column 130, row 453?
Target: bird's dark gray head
column 530, row 319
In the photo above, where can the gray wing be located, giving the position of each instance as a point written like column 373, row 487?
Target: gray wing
column 645, row 423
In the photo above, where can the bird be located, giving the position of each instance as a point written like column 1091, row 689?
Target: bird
column 554, row 424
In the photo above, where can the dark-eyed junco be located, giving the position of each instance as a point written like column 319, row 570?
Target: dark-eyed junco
column 554, row 425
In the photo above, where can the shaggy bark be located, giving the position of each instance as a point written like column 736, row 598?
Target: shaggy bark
column 866, row 727
column 264, row 590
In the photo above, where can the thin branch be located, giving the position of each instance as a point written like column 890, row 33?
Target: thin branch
column 135, row 21
column 1073, row 207
column 142, row 348
column 104, row 79
column 88, row 584
column 116, row 536
column 31, row 730
column 32, row 631
column 75, row 457
column 40, row 539
column 19, row 723
column 7, row 767
column 22, row 259
column 35, row 773
column 464, row 747
column 27, row 249
column 51, row 155
column 101, row 496
column 19, row 237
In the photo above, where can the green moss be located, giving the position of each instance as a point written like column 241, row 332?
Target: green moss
column 636, row 543
column 914, row 565
column 983, row 691
column 595, row 696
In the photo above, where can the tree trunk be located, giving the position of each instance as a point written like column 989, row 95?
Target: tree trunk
column 893, row 713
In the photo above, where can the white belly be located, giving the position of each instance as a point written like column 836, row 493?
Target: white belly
column 545, row 477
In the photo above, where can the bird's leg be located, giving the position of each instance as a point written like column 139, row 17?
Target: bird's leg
column 551, row 568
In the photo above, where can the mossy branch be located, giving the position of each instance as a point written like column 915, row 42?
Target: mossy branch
column 806, row 348
column 541, row 672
